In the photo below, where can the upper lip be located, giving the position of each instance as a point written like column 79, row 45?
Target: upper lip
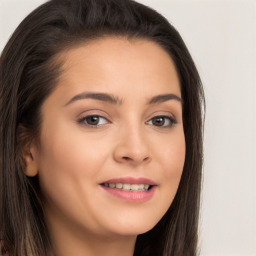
column 131, row 180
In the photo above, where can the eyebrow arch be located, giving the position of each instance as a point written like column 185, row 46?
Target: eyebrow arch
column 164, row 97
column 117, row 101
column 96, row 96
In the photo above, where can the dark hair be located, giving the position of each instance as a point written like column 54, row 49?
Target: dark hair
column 29, row 70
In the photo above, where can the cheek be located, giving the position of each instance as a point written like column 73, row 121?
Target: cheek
column 171, row 158
column 172, row 155
column 68, row 165
column 67, row 151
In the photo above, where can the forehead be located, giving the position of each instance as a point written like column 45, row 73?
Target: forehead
column 118, row 63
column 116, row 46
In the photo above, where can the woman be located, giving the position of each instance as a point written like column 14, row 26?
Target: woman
column 101, row 133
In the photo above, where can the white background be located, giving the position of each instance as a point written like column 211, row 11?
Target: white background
column 221, row 36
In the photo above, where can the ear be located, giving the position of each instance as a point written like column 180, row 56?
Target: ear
column 31, row 166
column 27, row 151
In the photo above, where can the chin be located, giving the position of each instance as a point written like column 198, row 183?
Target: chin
column 133, row 228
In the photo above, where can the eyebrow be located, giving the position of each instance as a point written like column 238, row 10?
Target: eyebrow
column 164, row 97
column 117, row 101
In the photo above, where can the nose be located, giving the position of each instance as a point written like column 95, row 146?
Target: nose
column 132, row 147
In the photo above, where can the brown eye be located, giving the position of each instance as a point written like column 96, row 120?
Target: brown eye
column 158, row 121
column 162, row 121
column 93, row 120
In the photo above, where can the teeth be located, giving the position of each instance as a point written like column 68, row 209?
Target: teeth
column 132, row 187
column 119, row 185
column 146, row 186
column 141, row 186
column 126, row 186
column 112, row 185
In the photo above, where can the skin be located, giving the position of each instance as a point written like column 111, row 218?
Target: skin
column 75, row 157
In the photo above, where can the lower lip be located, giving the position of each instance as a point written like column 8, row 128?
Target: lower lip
column 131, row 196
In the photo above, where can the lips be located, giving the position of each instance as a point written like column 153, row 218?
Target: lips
column 126, row 186
column 131, row 180
column 130, row 188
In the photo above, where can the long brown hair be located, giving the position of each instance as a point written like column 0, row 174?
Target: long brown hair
column 28, row 72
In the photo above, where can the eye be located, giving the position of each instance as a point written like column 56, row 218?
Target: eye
column 93, row 120
column 162, row 121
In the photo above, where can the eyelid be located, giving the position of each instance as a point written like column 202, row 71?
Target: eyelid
column 82, row 120
column 93, row 112
column 172, row 121
column 164, row 112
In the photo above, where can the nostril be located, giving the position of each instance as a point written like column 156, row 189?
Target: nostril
column 126, row 158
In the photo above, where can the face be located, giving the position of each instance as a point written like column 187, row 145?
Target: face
column 112, row 145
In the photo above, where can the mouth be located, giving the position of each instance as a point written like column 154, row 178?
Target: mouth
column 130, row 189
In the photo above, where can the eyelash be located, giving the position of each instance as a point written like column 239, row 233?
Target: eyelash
column 172, row 121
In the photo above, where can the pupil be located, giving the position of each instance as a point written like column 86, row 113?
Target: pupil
column 93, row 120
column 159, row 121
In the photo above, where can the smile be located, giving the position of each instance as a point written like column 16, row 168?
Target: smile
column 128, row 187
column 136, row 190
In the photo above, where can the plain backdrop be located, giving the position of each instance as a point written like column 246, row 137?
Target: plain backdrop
column 221, row 36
